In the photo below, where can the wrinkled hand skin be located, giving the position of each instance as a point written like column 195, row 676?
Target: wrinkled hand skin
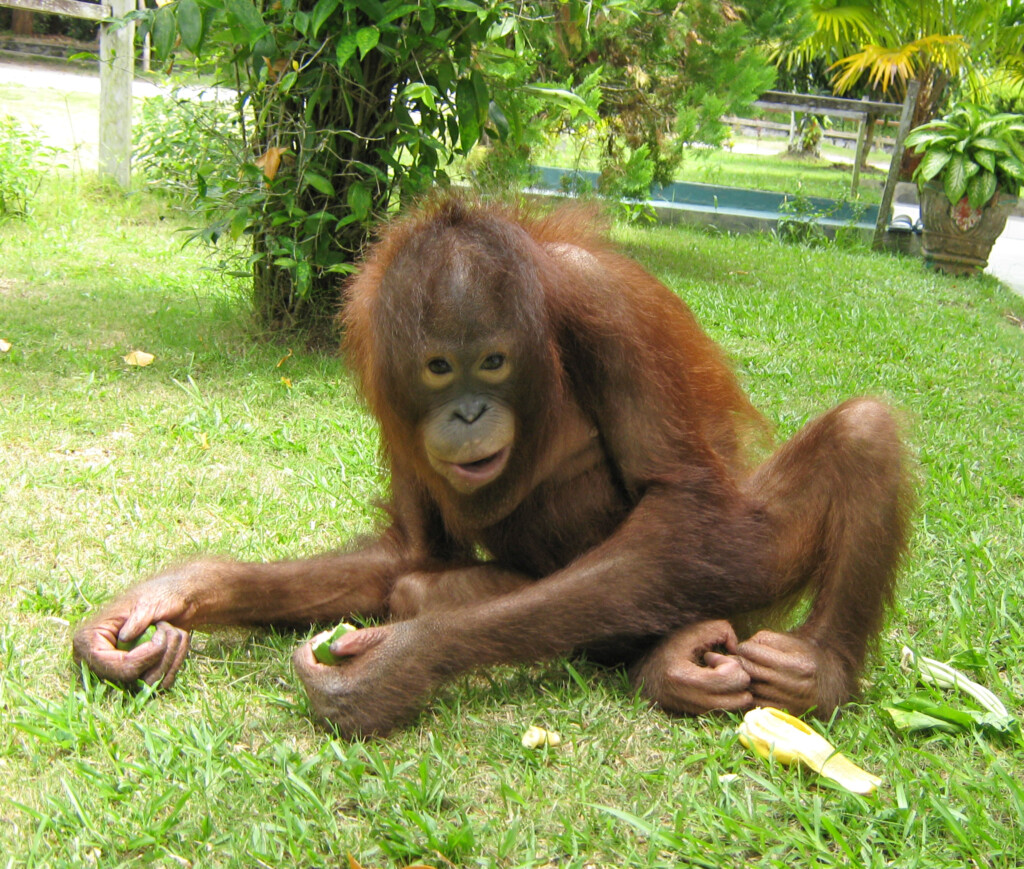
column 792, row 673
column 162, row 601
column 381, row 686
column 686, row 675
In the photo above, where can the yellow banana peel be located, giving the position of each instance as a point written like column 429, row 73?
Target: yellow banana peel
column 773, row 733
column 535, row 737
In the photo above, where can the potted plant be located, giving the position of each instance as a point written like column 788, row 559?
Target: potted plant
column 969, row 178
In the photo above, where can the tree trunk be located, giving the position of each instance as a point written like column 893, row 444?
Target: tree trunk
column 869, row 139
column 273, row 297
column 21, row 22
column 933, row 87
column 278, row 306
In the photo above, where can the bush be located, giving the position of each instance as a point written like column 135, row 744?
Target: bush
column 799, row 216
column 184, row 146
column 665, row 73
column 346, row 109
column 22, row 156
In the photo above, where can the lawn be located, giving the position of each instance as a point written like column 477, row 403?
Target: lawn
column 260, row 450
column 757, row 164
column 70, row 120
column 770, row 168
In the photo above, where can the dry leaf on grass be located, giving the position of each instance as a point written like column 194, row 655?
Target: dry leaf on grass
column 139, row 358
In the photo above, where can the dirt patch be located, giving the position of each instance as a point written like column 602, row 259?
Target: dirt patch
column 9, row 289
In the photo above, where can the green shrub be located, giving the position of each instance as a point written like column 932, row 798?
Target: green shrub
column 799, row 223
column 24, row 160
column 350, row 109
column 185, row 146
column 971, row 152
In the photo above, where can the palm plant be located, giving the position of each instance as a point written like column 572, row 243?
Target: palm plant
column 969, row 177
column 970, row 42
column 972, row 152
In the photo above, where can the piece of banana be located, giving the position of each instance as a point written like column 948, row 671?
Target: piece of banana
column 773, row 733
column 535, row 737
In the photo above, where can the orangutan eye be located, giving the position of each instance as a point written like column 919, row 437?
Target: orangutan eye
column 439, row 366
column 493, row 362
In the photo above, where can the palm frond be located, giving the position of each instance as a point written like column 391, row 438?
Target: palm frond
column 888, row 64
column 844, row 23
column 883, row 65
column 948, row 51
column 838, row 28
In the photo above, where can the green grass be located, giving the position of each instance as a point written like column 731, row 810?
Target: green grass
column 770, row 169
column 241, row 447
column 69, row 121
column 828, row 176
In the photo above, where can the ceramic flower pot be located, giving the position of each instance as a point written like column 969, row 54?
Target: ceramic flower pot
column 957, row 239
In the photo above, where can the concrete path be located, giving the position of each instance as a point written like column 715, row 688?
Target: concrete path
column 1007, row 259
column 67, row 110
column 43, row 74
column 1006, row 262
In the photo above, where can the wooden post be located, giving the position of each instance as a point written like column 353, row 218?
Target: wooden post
column 73, row 8
column 21, row 22
column 145, row 42
column 862, row 138
column 117, row 69
column 885, row 208
column 873, row 123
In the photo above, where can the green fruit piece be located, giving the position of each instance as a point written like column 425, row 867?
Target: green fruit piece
column 322, row 643
column 145, row 637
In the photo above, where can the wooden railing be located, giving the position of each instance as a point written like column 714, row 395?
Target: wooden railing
column 867, row 112
column 117, row 69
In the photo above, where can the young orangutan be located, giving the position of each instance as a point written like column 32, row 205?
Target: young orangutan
column 544, row 400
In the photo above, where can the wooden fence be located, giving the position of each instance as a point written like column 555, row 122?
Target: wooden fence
column 117, row 69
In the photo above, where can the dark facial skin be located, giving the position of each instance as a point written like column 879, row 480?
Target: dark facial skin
column 568, row 472
column 470, row 430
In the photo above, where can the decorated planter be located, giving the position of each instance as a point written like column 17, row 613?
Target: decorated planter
column 970, row 175
column 958, row 239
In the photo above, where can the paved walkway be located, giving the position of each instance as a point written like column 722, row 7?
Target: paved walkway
column 1007, row 259
column 1006, row 262
column 67, row 109
column 43, row 74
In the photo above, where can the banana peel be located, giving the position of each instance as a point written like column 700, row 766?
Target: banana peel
column 771, row 732
column 535, row 737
